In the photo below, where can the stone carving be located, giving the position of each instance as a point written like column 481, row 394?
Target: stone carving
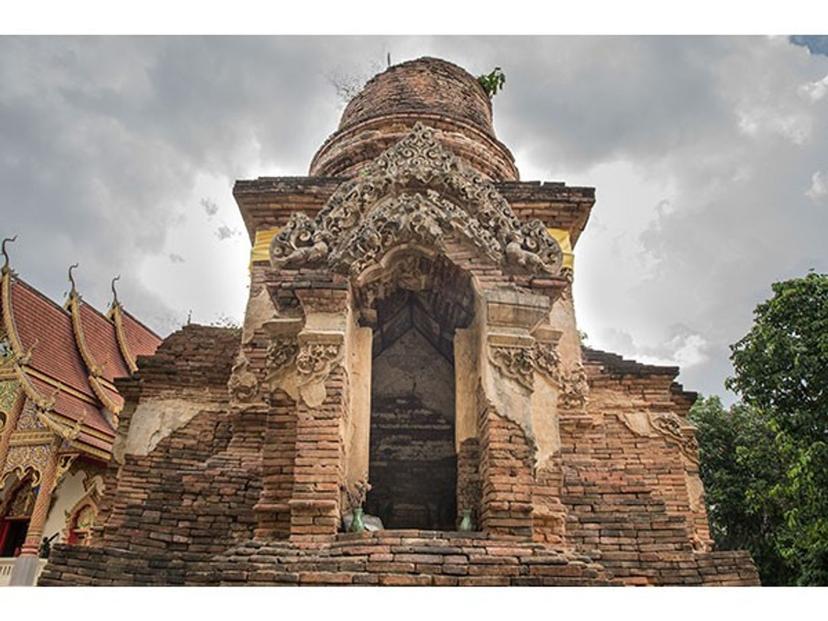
column 517, row 363
column 415, row 191
column 260, row 310
column 299, row 243
column 243, row 385
column 670, row 426
column 280, row 353
column 547, row 361
column 410, row 272
column 315, row 360
column 666, row 424
column 299, row 365
column 574, row 388
column 423, row 219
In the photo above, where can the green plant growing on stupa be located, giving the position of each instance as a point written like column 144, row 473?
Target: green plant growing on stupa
column 492, row 82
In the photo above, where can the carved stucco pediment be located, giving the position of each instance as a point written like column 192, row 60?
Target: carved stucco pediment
column 301, row 364
column 520, row 363
column 668, row 425
column 416, row 191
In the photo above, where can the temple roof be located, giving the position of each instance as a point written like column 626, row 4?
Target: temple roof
column 69, row 356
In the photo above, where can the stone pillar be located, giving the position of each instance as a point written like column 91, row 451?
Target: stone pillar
column 25, row 566
column 467, row 445
column 508, row 446
column 322, row 401
column 358, row 426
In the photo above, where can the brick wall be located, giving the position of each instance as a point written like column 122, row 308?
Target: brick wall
column 505, row 476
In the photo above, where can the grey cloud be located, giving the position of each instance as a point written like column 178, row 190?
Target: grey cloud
column 104, row 140
column 225, row 232
column 210, row 207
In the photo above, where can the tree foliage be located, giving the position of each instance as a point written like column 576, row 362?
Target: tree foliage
column 765, row 461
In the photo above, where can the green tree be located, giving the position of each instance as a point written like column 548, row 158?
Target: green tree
column 765, row 462
column 740, row 464
column 782, row 363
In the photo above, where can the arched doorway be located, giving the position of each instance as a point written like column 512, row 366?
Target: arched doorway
column 414, row 308
column 16, row 513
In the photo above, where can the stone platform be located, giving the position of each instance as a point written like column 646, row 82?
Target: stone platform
column 401, row 558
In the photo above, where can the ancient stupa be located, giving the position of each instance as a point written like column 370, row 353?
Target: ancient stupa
column 410, row 325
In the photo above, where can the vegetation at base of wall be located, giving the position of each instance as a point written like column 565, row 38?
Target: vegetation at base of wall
column 764, row 461
column 492, row 82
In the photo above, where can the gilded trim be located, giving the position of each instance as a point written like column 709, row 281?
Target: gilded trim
column 66, row 421
column 77, row 328
column 96, row 379
column 100, row 392
column 30, row 438
column 116, row 315
column 59, row 385
column 8, row 316
column 44, row 403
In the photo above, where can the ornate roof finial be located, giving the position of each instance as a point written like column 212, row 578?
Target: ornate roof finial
column 72, row 279
column 115, row 301
column 5, row 252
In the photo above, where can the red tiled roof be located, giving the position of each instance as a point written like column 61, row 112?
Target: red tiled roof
column 71, row 406
column 99, row 335
column 47, row 328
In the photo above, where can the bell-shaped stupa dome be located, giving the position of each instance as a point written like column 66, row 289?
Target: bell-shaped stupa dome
column 429, row 90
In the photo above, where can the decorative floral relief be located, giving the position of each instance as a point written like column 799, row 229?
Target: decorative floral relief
column 21, row 459
column 243, row 385
column 280, row 353
column 419, row 191
column 520, row 363
column 315, row 360
column 8, row 396
column 574, row 388
column 517, row 363
column 548, row 362
column 407, row 218
column 668, row 425
column 28, row 419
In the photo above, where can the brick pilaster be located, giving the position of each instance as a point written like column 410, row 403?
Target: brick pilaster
column 318, row 469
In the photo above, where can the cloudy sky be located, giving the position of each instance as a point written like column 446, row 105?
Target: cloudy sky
column 709, row 155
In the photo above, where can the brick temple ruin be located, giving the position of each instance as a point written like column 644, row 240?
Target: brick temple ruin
column 410, row 323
